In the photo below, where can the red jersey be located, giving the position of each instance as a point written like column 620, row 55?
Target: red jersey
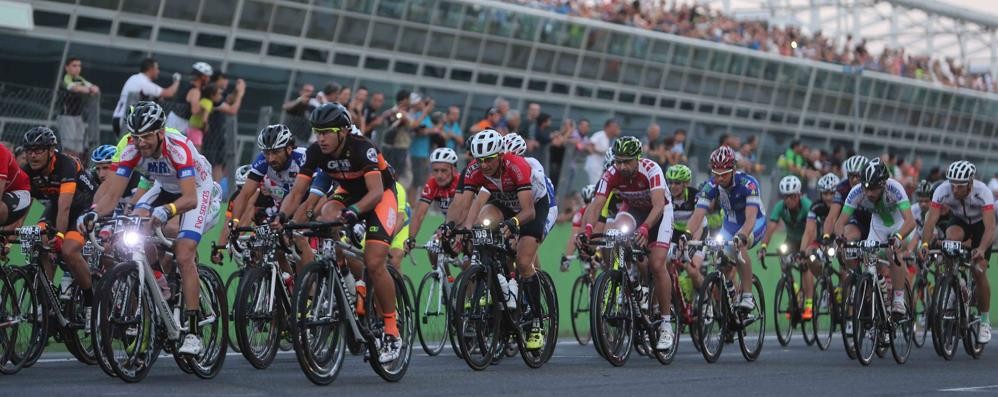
column 11, row 172
column 513, row 177
column 634, row 191
column 441, row 194
column 577, row 218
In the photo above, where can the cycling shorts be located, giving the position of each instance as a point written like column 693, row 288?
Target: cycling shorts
column 195, row 222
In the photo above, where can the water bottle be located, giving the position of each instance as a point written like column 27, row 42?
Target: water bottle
column 882, row 285
column 164, row 287
column 350, row 286
column 643, row 296
column 964, row 290
column 504, row 285
column 176, row 316
column 67, row 280
column 513, row 293
column 730, row 287
column 288, row 281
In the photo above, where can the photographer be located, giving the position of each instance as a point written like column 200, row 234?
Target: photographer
column 396, row 137
column 298, row 110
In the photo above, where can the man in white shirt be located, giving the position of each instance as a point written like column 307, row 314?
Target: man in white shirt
column 142, row 84
column 599, row 143
column 993, row 184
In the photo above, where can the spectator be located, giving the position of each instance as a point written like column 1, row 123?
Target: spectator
column 749, row 163
column 533, row 110
column 356, row 107
column 344, row 95
column 214, row 142
column 502, row 106
column 792, row 162
column 542, row 135
column 679, row 146
column 452, row 128
column 421, row 146
column 993, row 184
column 599, row 143
column 77, row 93
column 489, row 121
column 140, row 87
column 560, row 140
column 397, row 133
column 935, row 175
column 198, row 121
column 297, row 111
column 189, row 102
column 329, row 93
column 653, row 147
column 513, row 121
column 372, row 116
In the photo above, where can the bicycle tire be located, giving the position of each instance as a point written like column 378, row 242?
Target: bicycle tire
column 865, row 329
column 580, row 304
column 613, row 318
column 432, row 306
column 712, row 317
column 33, row 325
column 9, row 313
column 231, row 291
column 846, row 316
column 79, row 341
column 211, row 296
column 258, row 327
column 921, row 293
column 902, row 329
column 474, row 301
column 549, row 323
column 395, row 370
column 750, row 342
column 783, row 309
column 947, row 317
column 318, row 321
column 122, row 289
column 823, row 321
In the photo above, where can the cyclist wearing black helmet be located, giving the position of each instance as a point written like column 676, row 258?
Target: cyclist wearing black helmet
column 59, row 181
column 892, row 220
column 366, row 192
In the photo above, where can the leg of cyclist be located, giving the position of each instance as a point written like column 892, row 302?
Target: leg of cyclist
column 381, row 224
column 806, row 281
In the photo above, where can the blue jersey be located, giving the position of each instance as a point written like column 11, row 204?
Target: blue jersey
column 551, row 200
column 744, row 192
column 321, row 183
column 277, row 183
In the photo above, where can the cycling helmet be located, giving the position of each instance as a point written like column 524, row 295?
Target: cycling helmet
column 588, row 192
column 444, row 155
column 924, row 189
column 723, row 158
column 103, row 154
column 875, row 174
column 203, row 69
column 608, row 159
column 40, row 137
column 789, row 185
column 828, row 182
column 274, row 137
column 855, row 165
column 330, row 115
column 961, row 171
column 514, row 143
column 678, row 172
column 147, row 117
column 486, row 143
column 242, row 173
column 627, row 147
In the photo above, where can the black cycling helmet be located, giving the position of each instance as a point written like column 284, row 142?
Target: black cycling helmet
column 330, row 115
column 274, row 137
column 875, row 174
column 924, row 189
column 40, row 137
column 146, row 117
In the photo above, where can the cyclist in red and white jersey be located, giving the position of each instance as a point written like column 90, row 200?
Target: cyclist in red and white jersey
column 15, row 189
column 183, row 186
column 440, row 188
column 972, row 217
column 640, row 184
column 587, row 197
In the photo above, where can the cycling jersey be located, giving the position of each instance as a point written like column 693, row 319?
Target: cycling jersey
column 178, row 159
column 971, row 209
column 634, row 190
column 744, row 192
column 279, row 182
column 514, row 177
column 818, row 212
column 682, row 209
column 64, row 175
column 442, row 195
column 861, row 215
column 11, row 172
column 795, row 221
column 888, row 209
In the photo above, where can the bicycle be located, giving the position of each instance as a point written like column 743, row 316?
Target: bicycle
column 10, row 318
column 581, row 303
column 718, row 317
column 625, row 311
column 827, row 314
column 325, row 311
column 955, row 314
column 874, row 326
column 135, row 321
column 926, row 281
column 433, row 308
column 232, row 283
column 683, row 304
column 489, row 313
column 788, row 300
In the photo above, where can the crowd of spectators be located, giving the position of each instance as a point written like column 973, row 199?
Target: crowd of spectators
column 702, row 22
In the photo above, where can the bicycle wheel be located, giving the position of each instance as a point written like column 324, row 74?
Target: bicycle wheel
column 752, row 333
column 866, row 332
column 823, row 322
column 451, row 323
column 392, row 371
column 127, row 337
column 478, row 319
column 922, row 298
column 10, row 314
column 431, row 314
column 970, row 345
column 712, row 320
column 547, row 317
column 947, row 317
column 99, row 316
column 78, row 336
column 903, row 328
column 784, row 311
column 665, row 357
column 212, row 326
column 319, row 327
column 231, row 290
column 580, row 309
column 613, row 318
column 846, row 316
column 597, row 341
column 32, row 325
column 259, row 317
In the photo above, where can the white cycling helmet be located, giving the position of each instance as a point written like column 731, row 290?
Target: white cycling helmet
column 789, row 185
column 203, row 69
column 241, row 173
column 514, row 143
column 608, row 159
column 961, row 171
column 855, row 165
column 486, row 143
column 443, row 155
column 828, row 182
column 588, row 192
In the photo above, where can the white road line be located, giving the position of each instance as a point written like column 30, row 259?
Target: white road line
column 971, row 389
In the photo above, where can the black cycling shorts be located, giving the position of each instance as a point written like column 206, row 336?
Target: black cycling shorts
column 534, row 228
column 18, row 203
column 973, row 231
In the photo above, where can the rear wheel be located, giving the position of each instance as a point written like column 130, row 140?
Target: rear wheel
column 231, row 292
column 753, row 324
column 78, row 336
column 922, row 298
column 213, row 325
column 258, row 317
column 10, row 315
column 32, row 324
column 546, row 317
column 581, row 293
column 394, row 370
column 846, row 316
column 431, row 313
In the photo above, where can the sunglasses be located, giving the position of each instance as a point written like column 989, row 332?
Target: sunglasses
column 675, row 182
column 488, row 158
column 321, row 131
column 36, row 150
column 719, row 173
column 623, row 161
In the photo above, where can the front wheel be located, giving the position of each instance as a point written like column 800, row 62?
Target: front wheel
column 213, row 325
column 128, row 330
column 431, row 313
column 258, row 317
column 10, row 315
column 946, row 318
column 903, row 328
column 546, row 318
column 823, row 321
column 613, row 318
column 477, row 318
column 712, row 320
column 581, row 291
column 784, row 311
column 319, row 324
column 231, row 292
column 752, row 333
column 866, row 331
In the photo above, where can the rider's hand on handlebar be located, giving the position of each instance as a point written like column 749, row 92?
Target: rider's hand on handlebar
column 510, row 226
column 410, row 243
column 216, row 256
column 160, row 215
column 350, row 215
column 896, row 240
column 762, row 253
column 740, row 240
column 565, row 263
column 86, row 222
column 641, row 237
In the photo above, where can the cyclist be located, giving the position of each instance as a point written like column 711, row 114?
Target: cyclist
column 15, row 189
column 972, row 217
column 514, row 143
column 885, row 197
column 102, row 160
column 587, row 197
column 182, row 186
column 503, row 181
column 817, row 215
column 858, row 225
column 737, row 194
column 368, row 194
column 440, row 188
column 639, row 183
column 223, row 236
column 792, row 210
column 59, row 181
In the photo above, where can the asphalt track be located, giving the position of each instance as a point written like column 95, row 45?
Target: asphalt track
column 574, row 370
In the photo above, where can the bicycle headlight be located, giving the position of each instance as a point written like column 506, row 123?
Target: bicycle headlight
column 624, row 229
column 831, row 252
column 131, row 238
column 783, row 248
column 486, row 222
column 719, row 238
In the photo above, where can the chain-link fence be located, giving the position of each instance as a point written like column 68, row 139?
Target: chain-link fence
column 23, row 107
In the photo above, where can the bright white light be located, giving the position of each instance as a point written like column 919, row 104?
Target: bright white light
column 131, row 238
column 719, row 238
column 624, row 229
column 813, row 258
column 831, row 251
column 486, row 222
column 793, row 44
column 783, row 248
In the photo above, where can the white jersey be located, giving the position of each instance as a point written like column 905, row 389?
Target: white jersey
column 277, row 183
column 971, row 209
column 138, row 83
column 179, row 159
column 893, row 201
column 538, row 179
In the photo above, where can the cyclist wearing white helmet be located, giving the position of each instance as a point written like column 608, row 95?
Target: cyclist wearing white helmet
column 972, row 217
column 858, row 226
column 514, row 143
column 587, row 194
column 792, row 209
column 818, row 214
column 440, row 188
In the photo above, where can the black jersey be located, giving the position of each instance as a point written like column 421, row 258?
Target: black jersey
column 359, row 158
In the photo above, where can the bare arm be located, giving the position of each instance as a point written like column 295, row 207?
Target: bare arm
column 238, row 204
column 417, row 218
column 832, row 219
column 300, row 188
column 170, row 91
column 113, row 187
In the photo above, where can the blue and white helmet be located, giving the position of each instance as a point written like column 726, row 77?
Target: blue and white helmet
column 103, row 154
